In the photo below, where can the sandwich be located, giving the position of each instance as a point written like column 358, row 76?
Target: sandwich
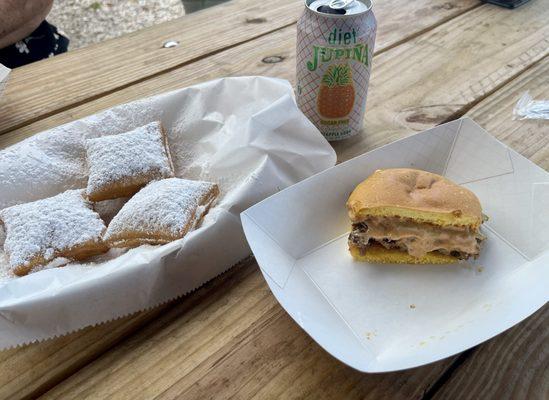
column 416, row 217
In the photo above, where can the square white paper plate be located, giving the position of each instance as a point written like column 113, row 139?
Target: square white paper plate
column 379, row 318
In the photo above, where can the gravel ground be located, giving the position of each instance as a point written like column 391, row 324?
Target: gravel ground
column 92, row 21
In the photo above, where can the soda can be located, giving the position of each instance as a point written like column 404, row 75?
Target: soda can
column 335, row 46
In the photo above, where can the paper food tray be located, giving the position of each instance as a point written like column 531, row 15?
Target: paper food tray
column 246, row 134
column 379, row 318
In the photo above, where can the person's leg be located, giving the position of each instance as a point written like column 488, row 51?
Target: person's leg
column 44, row 42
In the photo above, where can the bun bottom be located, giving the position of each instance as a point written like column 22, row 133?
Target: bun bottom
column 378, row 254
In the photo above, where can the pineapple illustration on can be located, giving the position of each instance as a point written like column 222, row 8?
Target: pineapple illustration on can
column 335, row 44
column 336, row 95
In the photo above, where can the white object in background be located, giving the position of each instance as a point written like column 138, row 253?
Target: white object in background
column 246, row 134
column 4, row 72
column 527, row 108
column 379, row 318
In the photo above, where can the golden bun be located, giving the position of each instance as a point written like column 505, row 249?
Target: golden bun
column 376, row 253
column 416, row 194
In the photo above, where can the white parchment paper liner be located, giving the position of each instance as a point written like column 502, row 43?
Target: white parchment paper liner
column 244, row 133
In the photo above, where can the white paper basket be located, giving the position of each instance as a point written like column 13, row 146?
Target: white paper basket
column 379, row 318
column 244, row 133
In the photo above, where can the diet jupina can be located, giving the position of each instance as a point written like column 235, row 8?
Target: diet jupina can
column 335, row 45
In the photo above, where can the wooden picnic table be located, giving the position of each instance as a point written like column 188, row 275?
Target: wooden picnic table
column 435, row 60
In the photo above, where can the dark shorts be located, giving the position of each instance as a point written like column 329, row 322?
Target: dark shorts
column 44, row 42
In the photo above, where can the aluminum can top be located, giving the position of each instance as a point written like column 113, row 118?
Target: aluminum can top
column 339, row 8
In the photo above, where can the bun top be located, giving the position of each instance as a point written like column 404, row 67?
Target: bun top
column 416, row 194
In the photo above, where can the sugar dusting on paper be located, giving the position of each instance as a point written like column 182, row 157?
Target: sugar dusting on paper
column 107, row 209
column 53, row 161
column 201, row 149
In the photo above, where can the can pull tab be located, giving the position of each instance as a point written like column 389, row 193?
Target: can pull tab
column 339, row 4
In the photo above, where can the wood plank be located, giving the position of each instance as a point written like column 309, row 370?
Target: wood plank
column 234, row 341
column 442, row 74
column 514, row 365
column 31, row 370
column 402, row 95
column 528, row 137
column 71, row 78
column 47, row 87
column 257, row 49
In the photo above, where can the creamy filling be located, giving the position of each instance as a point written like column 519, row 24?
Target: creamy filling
column 415, row 237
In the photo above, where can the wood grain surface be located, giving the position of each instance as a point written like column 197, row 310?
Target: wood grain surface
column 74, row 77
column 44, row 88
column 528, row 137
column 30, row 370
column 401, row 97
column 515, row 365
column 231, row 338
column 440, row 75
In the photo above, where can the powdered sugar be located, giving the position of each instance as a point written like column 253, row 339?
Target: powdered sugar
column 7, row 274
column 164, row 207
column 123, row 118
column 49, row 226
column 126, row 159
column 41, row 167
column 197, row 156
column 5, row 270
column 53, row 161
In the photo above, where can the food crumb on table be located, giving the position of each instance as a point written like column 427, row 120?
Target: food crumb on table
column 370, row 335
